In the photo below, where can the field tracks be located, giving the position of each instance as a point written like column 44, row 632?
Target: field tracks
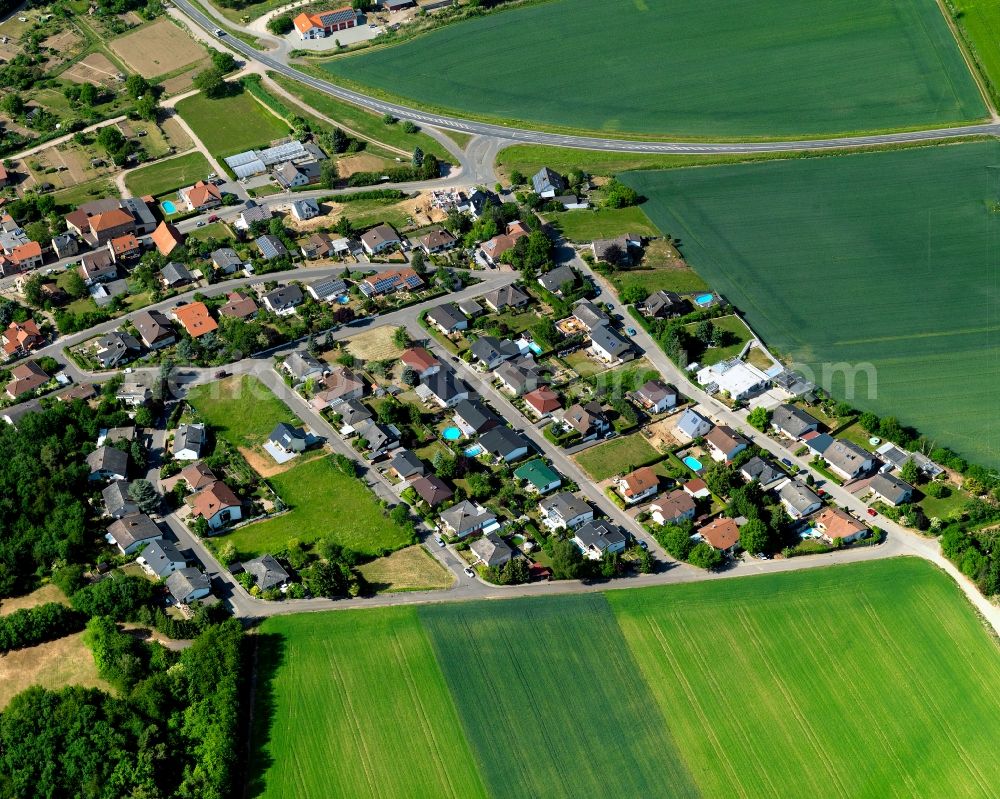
column 357, row 733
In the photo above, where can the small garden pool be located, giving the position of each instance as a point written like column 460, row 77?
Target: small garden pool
column 473, row 451
column 693, row 463
column 535, row 348
column 168, row 207
column 451, row 433
column 704, row 299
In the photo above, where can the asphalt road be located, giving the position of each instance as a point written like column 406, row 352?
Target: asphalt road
column 520, row 135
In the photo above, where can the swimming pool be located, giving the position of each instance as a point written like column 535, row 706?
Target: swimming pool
column 535, row 348
column 168, row 207
column 692, row 463
column 474, row 450
column 704, row 299
column 451, row 433
column 343, row 299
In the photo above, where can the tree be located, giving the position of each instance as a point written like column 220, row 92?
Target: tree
column 517, row 178
column 705, row 556
column 760, row 418
column 419, row 262
column 389, row 119
column 401, row 338
column 408, row 377
column 330, row 579
column 480, row 485
column 74, row 285
column 633, row 295
column 136, row 86
column 515, row 572
column 12, row 104
column 418, row 157
column 705, row 332
column 676, row 539
column 444, row 466
column 910, row 472
column 755, row 537
column 145, row 108
column 567, row 560
column 409, row 127
column 618, row 195
column 869, row 422
column 281, row 24
column 144, row 495
column 210, row 83
column 33, row 292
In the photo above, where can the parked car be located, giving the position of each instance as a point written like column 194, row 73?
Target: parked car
column 469, row 571
column 213, row 218
column 787, row 462
column 643, row 545
column 630, row 331
column 871, row 512
column 221, row 374
column 440, row 541
column 201, row 223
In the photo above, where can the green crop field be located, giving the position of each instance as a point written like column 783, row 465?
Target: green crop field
column 241, row 410
column 688, row 68
column 866, row 680
column 979, row 22
column 876, row 273
column 164, row 176
column 616, row 457
column 231, row 124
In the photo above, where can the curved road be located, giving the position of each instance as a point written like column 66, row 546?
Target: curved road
column 520, row 135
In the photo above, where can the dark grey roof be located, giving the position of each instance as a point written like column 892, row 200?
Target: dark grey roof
column 284, row 297
column 327, row 287
column 117, row 502
column 799, row 496
column 176, row 274
column 793, row 420
column 521, row 374
column 505, row 295
column 161, row 555
column 284, row 434
column 445, row 385
column 546, row 180
column 15, row 413
column 600, row 534
column 354, row 411
column 656, row 390
column 609, row 341
column 476, row 415
column 503, row 442
column 891, row 487
column 377, row 435
column 761, row 470
column 189, row 436
column 183, row 582
column 132, row 528
column 301, row 365
column 266, row 571
column 271, row 247
column 565, row 505
column 226, row 258
column 489, row 348
column 115, row 346
column 107, row 459
column 492, row 549
column 447, row 316
column 662, row 302
column 479, row 200
column 555, row 279
column 589, row 315
column 465, row 516
column 407, row 463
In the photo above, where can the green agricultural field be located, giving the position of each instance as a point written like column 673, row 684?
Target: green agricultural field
column 601, row 223
column 231, row 124
column 867, row 680
column 241, row 410
column 165, row 176
column 356, row 705
column 325, row 503
column 874, row 272
column 979, row 23
column 689, row 69
column 616, row 457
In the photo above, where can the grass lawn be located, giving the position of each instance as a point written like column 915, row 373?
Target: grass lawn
column 583, row 226
column 832, row 259
column 409, row 569
column 325, row 503
column 979, row 23
column 855, row 433
column 583, row 364
column 96, row 189
column 684, row 280
column 164, row 176
column 241, row 410
column 775, row 69
column 231, row 125
column 364, row 122
column 944, row 508
column 47, row 593
column 730, row 324
column 52, row 665
column 616, row 457
column 213, row 230
column 356, row 705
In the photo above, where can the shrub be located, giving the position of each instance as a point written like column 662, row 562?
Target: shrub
column 32, row 626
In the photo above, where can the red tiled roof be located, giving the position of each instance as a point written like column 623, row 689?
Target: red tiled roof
column 116, row 217
column 196, row 319
column 166, row 238
column 721, row 533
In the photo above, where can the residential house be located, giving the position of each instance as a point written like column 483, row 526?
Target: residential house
column 444, row 388
column 473, row 418
column 217, row 505
column 154, row 329
column 621, row 250
column 124, row 248
column 304, row 210
column 432, row 490
column 201, row 196
column 380, row 238
column 65, row 245
column 761, row 471
column 505, row 444
column 188, row 585
column 20, row 338
column 891, row 490
column 197, row 476
column 564, row 510
column 271, row 247
column 609, row 346
column 638, row 485
column 470, row 308
column 131, row 532
column 338, row 385
column 195, row 319
column 406, row 465
column 663, row 305
column 189, row 439
column 117, row 501
column 447, row 318
column 267, row 573
column 692, row 425
column 548, row 183
column 519, row 376
column 494, row 248
column 558, row 279
column 655, row 396
column 251, row 214
column 14, row 414
column 798, row 499
column 97, row 267
column 490, row 352
column 389, row 282
column 588, row 420
column 538, row 476
column 302, row 366
column 327, row 289
column 818, row 443
column 673, row 508
column 319, row 245
column 167, row 238
column 288, row 439
column 723, row 534
column 847, row 460
column 479, row 202
column 283, row 300
column 290, row 176
column 465, row 518
column 437, row 241
column 100, row 221
column 175, row 274
column 599, row 537
column 421, row 361
column 161, row 558
column 103, row 294
column 589, row 315
column 81, row 391
column 321, row 24
column 793, row 422
column 116, row 349
column 724, row 443
column 734, row 377
column 492, row 550
column 896, row 457
column 226, row 260
column 505, row 297
column 25, row 377
column 133, row 393
column 380, row 438
column 835, row 524
column 239, row 307
column 352, row 414
column 542, row 402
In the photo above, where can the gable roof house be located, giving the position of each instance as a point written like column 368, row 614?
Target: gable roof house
column 161, row 558
column 131, row 532
column 505, row 444
column 325, row 23
column 847, row 460
column 518, row 376
column 465, row 518
column 470, row 308
column 154, row 329
column 432, row 490
column 116, row 348
column 421, row 361
column 438, row 241
column 564, row 510
column 638, row 485
column 13, row 414
column 548, row 183
column 444, row 388
column 619, row 249
column 609, row 346
column 226, row 260
column 505, row 297
column 197, row 475
column 479, row 202
column 793, row 422
column 217, row 504
column 25, row 377
column 380, row 438
column 492, row 550
column 798, row 499
column 21, row 338
column 472, row 417
column 673, row 508
column 655, row 396
column 320, row 245
column 252, row 213
column 97, row 267
column 301, row 366
column 555, row 279
column 692, row 425
column 195, row 319
column 589, row 315
column 662, row 305
column 447, row 318
column 188, row 441
column 588, row 420
column 271, row 247
column 388, row 282
column 302, row 210
column 65, row 245
column 542, row 402
column 338, row 385
column 201, row 196
column 406, row 465
column 100, row 221
column 133, row 393
column 490, row 351
column 117, row 502
column 124, row 248
column 599, row 536
column 494, row 248
column 283, row 300
column 380, row 238
column 723, row 534
column 538, row 476
column 327, row 289
column 167, row 238
column 836, row 524
column 288, row 438
column 759, row 470
column 891, row 490
column 267, row 573
column 724, row 443
column 188, row 585
column 239, row 307
column 176, row 274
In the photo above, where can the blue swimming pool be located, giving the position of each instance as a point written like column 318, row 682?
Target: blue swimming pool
column 474, row 450
column 168, row 207
column 343, row 299
column 535, row 348
column 704, row 299
column 693, row 463
column 451, row 433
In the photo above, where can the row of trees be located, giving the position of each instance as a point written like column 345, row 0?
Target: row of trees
column 30, row 626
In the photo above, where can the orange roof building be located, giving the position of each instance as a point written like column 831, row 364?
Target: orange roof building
column 195, row 319
column 21, row 337
column 26, row 377
column 239, row 307
column 837, row 525
column 723, row 534
column 321, row 25
column 637, row 485
column 201, row 195
column 543, row 401
column 126, row 246
column 167, row 238
column 216, row 504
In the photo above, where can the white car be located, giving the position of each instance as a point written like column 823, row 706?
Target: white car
column 469, row 571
